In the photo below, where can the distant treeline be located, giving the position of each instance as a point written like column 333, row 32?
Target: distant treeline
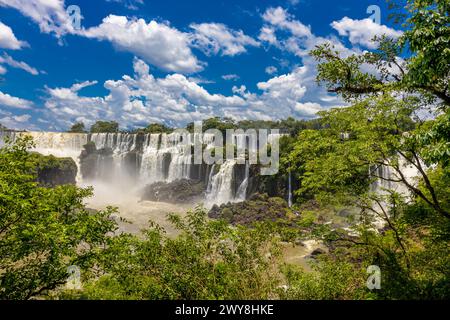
column 289, row 126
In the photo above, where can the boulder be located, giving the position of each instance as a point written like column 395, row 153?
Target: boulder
column 259, row 207
column 179, row 191
column 52, row 171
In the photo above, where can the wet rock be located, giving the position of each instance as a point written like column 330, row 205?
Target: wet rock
column 259, row 207
column 97, row 163
column 317, row 252
column 179, row 191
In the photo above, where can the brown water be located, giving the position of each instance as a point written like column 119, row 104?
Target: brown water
column 139, row 213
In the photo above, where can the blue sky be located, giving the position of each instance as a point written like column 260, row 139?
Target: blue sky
column 139, row 61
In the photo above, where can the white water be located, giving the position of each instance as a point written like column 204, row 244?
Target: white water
column 221, row 190
column 162, row 157
column 242, row 191
column 383, row 186
column 290, row 190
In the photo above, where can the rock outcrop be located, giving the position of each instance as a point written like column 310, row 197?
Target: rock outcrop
column 52, row 171
column 179, row 191
column 96, row 163
column 259, row 207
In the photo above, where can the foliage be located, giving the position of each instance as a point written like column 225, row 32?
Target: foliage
column 155, row 128
column 52, row 171
column 78, row 128
column 42, row 231
column 289, row 126
column 382, row 129
column 329, row 280
column 208, row 260
column 105, row 127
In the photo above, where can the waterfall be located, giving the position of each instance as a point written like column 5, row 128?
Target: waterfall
column 221, row 191
column 290, row 190
column 241, row 194
column 211, row 174
column 153, row 158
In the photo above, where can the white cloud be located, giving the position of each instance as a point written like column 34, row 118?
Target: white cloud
column 271, row 70
column 18, row 122
column 65, row 104
column 267, row 34
column 156, row 43
column 22, row 118
column 287, row 86
column 2, row 70
column 308, row 109
column 215, row 38
column 297, row 37
column 9, row 101
column 8, row 60
column 232, row 77
column 200, row 80
column 363, row 31
column 281, row 19
column 50, row 15
column 78, row 86
column 176, row 100
column 8, row 40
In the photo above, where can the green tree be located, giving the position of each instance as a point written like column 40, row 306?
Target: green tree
column 42, row 231
column 424, row 75
column 381, row 130
column 156, row 128
column 105, row 127
column 209, row 259
column 78, row 128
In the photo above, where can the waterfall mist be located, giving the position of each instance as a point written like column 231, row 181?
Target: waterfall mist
column 121, row 164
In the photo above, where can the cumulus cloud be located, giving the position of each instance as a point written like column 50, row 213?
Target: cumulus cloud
column 362, row 32
column 201, row 80
column 156, row 43
column 8, row 60
column 17, row 122
column 267, row 34
column 176, row 100
column 281, row 19
column 8, row 40
column 49, row 15
column 9, row 101
column 215, row 38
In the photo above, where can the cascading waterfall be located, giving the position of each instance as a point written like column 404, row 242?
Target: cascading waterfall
column 386, row 177
column 386, row 182
column 159, row 157
column 211, row 174
column 221, row 191
column 290, row 189
column 152, row 160
column 241, row 194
